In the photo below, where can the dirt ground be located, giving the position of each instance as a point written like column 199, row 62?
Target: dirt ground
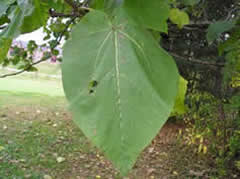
column 166, row 158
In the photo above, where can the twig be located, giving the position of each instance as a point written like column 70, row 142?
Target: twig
column 205, row 22
column 43, row 59
column 53, row 13
column 23, row 70
column 193, row 60
column 3, row 27
column 65, row 30
column 230, row 13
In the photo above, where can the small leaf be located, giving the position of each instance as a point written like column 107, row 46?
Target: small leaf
column 216, row 29
column 175, row 173
column 179, row 17
column 60, row 159
column 179, row 106
column 47, row 177
column 32, row 69
column 4, row 47
column 4, row 19
column 55, row 52
column 1, row 148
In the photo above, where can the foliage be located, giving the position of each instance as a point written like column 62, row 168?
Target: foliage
column 121, row 55
column 217, row 29
column 212, row 135
column 179, row 17
column 113, row 63
column 147, row 14
column 179, row 106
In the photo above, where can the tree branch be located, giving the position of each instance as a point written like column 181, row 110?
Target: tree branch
column 198, row 23
column 53, row 13
column 44, row 58
column 3, row 27
column 231, row 12
column 23, row 70
column 193, row 60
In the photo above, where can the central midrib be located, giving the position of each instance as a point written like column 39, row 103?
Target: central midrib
column 117, row 70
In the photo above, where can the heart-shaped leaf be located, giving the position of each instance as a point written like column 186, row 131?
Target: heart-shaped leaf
column 151, row 14
column 121, row 85
column 38, row 17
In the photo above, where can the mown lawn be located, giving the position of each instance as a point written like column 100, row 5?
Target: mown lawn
column 39, row 82
column 51, row 88
column 37, row 137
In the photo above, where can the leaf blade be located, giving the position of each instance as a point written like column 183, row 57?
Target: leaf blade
column 153, row 14
column 127, row 100
column 216, row 29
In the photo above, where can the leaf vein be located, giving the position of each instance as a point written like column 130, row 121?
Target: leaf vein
column 138, row 46
column 118, row 81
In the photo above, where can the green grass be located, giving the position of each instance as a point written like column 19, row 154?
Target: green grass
column 31, row 147
column 34, row 83
column 51, row 88
column 9, row 99
column 35, row 130
column 44, row 67
column 49, row 68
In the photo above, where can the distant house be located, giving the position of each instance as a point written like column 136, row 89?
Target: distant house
column 38, row 53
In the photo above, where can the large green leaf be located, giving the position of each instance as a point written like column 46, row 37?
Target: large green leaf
column 26, row 6
column 121, row 85
column 57, row 5
column 151, row 14
column 97, row 4
column 37, row 18
column 217, row 28
column 11, row 31
column 4, row 5
column 105, row 4
column 19, row 12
